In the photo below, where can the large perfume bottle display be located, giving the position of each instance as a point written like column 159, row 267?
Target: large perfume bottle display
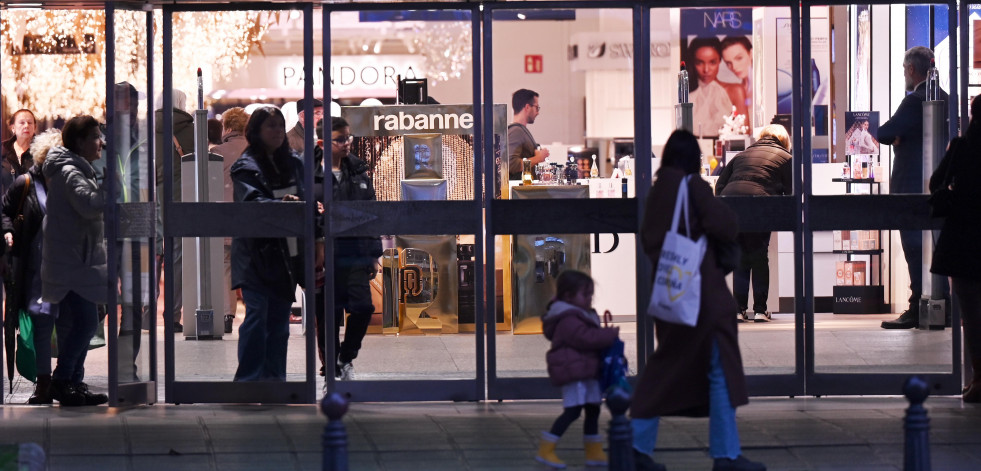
column 537, row 260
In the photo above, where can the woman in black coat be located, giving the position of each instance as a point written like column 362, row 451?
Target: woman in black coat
column 958, row 254
column 27, row 197
column 266, row 269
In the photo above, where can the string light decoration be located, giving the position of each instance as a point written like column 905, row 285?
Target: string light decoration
column 446, row 47
column 56, row 58
column 44, row 72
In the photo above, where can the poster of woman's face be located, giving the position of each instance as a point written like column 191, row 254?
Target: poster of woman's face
column 717, row 50
column 861, row 129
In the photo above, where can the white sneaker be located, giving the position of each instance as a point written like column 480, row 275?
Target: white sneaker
column 761, row 317
column 741, row 316
column 347, row 371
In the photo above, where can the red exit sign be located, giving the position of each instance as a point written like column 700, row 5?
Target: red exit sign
column 533, row 64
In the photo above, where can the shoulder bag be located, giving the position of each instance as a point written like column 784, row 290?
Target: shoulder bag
column 677, row 290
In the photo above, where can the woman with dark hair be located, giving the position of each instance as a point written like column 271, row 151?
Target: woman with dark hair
column 15, row 153
column 73, row 255
column 16, row 150
column 713, row 100
column 957, row 254
column 266, row 269
column 695, row 371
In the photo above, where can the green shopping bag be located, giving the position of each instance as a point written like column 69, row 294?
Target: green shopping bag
column 26, row 356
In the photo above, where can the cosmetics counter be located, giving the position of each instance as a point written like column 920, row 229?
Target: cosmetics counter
column 426, row 284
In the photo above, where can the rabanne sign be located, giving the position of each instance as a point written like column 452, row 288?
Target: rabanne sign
column 410, row 119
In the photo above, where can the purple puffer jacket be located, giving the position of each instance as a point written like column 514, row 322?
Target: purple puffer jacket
column 578, row 341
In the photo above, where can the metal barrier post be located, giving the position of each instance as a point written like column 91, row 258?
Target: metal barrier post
column 916, row 453
column 620, row 434
column 334, row 406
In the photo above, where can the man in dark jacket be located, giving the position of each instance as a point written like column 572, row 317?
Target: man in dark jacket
column 761, row 170
column 355, row 258
column 904, row 132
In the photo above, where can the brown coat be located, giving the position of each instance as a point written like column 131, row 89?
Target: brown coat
column 675, row 379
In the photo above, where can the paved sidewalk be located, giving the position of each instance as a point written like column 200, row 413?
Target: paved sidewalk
column 786, row 434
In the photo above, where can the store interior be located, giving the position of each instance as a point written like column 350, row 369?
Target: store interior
column 581, row 62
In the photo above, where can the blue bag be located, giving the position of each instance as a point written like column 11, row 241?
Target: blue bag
column 614, row 369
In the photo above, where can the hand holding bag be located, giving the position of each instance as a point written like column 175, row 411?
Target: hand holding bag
column 614, row 369
column 677, row 290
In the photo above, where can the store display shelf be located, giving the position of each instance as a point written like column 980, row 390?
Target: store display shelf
column 854, row 180
column 859, row 252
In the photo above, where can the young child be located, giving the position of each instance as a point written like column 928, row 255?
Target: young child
column 578, row 341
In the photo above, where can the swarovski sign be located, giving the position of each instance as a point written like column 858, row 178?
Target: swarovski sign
column 615, row 51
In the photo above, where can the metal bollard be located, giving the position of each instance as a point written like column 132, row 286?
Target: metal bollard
column 334, row 406
column 620, row 434
column 916, row 453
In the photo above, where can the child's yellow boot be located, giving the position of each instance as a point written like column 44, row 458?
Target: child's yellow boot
column 594, row 450
column 546, row 451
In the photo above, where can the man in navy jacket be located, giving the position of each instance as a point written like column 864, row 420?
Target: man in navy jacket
column 904, row 131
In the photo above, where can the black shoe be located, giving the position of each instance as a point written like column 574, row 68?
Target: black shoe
column 65, row 394
column 228, row 323
column 644, row 462
column 907, row 320
column 738, row 464
column 178, row 327
column 91, row 398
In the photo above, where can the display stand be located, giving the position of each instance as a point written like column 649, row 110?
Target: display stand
column 867, row 296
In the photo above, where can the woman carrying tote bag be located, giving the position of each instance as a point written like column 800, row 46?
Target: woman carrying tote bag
column 695, row 371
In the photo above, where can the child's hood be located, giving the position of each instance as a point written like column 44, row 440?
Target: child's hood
column 559, row 310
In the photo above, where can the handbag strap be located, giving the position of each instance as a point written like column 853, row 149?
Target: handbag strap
column 607, row 318
column 681, row 205
column 23, row 194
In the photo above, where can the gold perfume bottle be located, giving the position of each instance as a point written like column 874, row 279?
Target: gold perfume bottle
column 526, row 177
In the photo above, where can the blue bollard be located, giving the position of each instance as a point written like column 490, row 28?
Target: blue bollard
column 916, row 453
column 334, row 406
column 620, row 434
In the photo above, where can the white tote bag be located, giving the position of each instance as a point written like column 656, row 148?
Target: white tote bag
column 678, row 282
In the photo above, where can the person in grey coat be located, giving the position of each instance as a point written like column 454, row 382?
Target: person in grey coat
column 73, row 264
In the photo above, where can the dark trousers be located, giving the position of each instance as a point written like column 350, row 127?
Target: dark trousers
column 352, row 293
column 77, row 321
column 912, row 242
column 754, row 267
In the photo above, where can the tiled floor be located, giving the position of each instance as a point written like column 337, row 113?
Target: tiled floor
column 786, row 434
column 843, row 343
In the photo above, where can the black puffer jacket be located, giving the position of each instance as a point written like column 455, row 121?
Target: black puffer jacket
column 354, row 185
column 264, row 264
column 761, row 170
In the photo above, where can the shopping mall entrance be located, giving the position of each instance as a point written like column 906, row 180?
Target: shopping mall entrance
column 470, row 257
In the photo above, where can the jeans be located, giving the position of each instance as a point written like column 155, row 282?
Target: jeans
column 77, row 321
column 968, row 295
column 755, row 265
column 43, row 328
column 723, row 434
column 262, row 337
